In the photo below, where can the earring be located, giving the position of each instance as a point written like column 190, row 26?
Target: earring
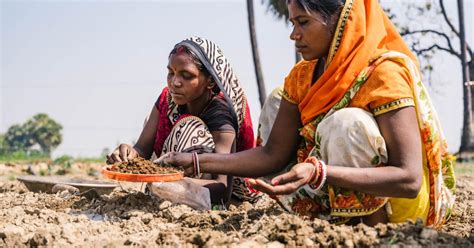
column 211, row 85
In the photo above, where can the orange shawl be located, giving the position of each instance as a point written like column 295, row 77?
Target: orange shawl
column 365, row 30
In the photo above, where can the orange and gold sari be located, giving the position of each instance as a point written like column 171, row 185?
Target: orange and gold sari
column 370, row 67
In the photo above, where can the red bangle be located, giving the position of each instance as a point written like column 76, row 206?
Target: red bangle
column 322, row 178
column 316, row 169
column 313, row 174
column 318, row 178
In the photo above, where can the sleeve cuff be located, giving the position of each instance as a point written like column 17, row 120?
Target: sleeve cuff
column 399, row 103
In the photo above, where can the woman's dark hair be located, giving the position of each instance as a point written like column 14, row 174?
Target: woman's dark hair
column 324, row 7
column 183, row 49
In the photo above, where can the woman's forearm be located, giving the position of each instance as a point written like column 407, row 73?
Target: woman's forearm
column 388, row 181
column 250, row 163
column 273, row 157
column 142, row 152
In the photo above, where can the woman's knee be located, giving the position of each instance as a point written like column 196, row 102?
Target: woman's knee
column 351, row 137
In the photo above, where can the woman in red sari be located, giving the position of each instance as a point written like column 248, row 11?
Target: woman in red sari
column 202, row 110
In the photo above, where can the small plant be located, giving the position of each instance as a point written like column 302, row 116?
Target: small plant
column 91, row 171
column 65, row 163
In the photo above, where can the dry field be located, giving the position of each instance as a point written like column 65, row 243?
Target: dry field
column 128, row 217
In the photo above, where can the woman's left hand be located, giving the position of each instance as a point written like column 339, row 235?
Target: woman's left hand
column 286, row 183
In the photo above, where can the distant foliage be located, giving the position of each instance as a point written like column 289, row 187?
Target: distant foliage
column 40, row 131
column 428, row 28
column 65, row 162
column 44, row 131
column 425, row 25
column 3, row 144
column 17, row 139
column 278, row 8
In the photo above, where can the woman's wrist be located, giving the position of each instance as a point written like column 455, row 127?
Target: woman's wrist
column 318, row 176
column 196, row 165
column 139, row 151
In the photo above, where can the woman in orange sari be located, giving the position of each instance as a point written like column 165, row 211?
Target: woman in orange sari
column 366, row 137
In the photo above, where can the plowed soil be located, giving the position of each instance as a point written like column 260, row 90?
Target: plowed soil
column 129, row 217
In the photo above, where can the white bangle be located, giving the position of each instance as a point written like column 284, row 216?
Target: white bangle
column 198, row 167
column 324, row 169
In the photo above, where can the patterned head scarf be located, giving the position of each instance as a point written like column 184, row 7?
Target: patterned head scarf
column 221, row 71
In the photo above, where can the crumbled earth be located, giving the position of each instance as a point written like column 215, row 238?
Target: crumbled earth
column 129, row 217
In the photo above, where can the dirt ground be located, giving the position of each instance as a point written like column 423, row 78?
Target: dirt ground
column 129, row 217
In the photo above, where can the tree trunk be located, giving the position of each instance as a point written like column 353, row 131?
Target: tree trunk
column 467, row 138
column 256, row 57
column 466, row 151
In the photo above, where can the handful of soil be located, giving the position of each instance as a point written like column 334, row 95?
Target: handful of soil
column 140, row 165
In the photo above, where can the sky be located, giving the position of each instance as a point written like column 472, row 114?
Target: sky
column 97, row 67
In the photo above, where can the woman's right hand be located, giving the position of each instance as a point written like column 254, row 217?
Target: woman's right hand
column 122, row 153
column 178, row 159
column 285, row 183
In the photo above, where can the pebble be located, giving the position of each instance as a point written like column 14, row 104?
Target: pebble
column 90, row 194
column 172, row 215
column 275, row 244
column 164, row 205
column 348, row 243
column 428, row 233
column 216, row 219
column 11, row 230
column 147, row 218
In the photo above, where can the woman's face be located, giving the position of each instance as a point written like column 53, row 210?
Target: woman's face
column 311, row 34
column 186, row 82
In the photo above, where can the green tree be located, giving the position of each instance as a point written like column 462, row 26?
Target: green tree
column 40, row 130
column 18, row 139
column 279, row 9
column 44, row 131
column 3, row 145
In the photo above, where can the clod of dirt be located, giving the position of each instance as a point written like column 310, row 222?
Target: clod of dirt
column 63, row 187
column 90, row 194
column 429, row 234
